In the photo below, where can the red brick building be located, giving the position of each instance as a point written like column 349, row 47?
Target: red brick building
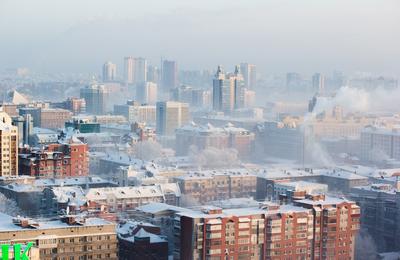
column 313, row 228
column 55, row 161
column 336, row 223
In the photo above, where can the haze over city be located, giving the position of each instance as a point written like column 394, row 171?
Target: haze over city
column 200, row 130
column 279, row 36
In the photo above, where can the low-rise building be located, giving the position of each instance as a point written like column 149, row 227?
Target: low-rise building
column 57, row 160
column 134, row 112
column 338, row 180
column 207, row 136
column 54, row 118
column 29, row 195
column 125, row 199
column 204, row 186
column 70, row 237
column 138, row 240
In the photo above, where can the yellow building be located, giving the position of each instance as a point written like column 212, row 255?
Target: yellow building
column 8, row 146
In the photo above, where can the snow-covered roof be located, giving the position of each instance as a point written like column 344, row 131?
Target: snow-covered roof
column 208, row 174
column 328, row 200
column 242, row 212
column 132, row 230
column 6, row 223
column 73, row 195
column 210, row 129
column 40, row 184
column 156, row 208
column 159, row 190
column 281, row 173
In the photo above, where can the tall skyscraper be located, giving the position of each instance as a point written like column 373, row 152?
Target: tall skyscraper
column 318, row 83
column 128, row 70
column 146, row 93
column 25, row 128
column 109, row 72
column 96, row 99
column 169, row 75
column 228, row 90
column 153, row 74
column 249, row 73
column 223, row 90
column 9, row 146
column 239, row 88
column 170, row 116
column 140, row 70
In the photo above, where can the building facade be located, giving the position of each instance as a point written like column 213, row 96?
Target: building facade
column 67, row 238
column 8, row 146
column 134, row 112
column 170, row 116
column 96, row 99
column 55, row 161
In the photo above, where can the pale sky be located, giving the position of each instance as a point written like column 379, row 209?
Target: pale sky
column 278, row 36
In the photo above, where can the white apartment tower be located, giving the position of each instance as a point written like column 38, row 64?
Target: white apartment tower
column 128, row 70
column 109, row 72
column 170, row 116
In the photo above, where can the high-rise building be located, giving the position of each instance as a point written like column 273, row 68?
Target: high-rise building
column 109, row 72
column 228, row 90
column 223, row 90
column 380, row 143
column 318, row 83
column 239, row 88
column 153, row 74
column 249, row 73
column 9, row 146
column 170, row 116
column 336, row 223
column 128, row 70
column 35, row 113
column 134, row 112
column 169, row 75
column 25, row 128
column 75, row 105
column 140, row 70
column 146, row 93
column 95, row 97
column 249, row 98
column 312, row 228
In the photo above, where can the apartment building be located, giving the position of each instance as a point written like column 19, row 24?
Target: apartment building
column 205, row 136
column 336, row 223
column 379, row 144
column 54, row 118
column 119, row 199
column 68, row 238
column 312, row 228
column 58, row 160
column 204, row 186
column 8, row 146
column 380, row 213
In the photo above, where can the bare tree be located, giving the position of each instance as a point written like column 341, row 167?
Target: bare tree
column 148, row 150
column 9, row 206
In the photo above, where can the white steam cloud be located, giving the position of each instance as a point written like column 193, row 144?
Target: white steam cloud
column 360, row 100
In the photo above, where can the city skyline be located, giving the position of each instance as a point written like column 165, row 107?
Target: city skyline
column 368, row 43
